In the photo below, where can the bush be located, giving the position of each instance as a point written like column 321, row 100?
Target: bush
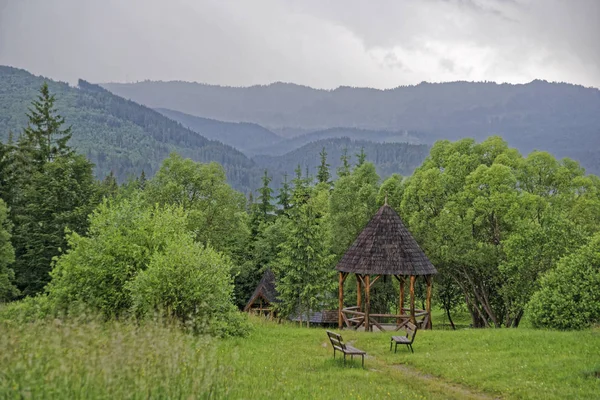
column 143, row 261
column 569, row 296
column 190, row 283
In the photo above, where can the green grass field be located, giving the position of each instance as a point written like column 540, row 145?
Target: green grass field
column 121, row 360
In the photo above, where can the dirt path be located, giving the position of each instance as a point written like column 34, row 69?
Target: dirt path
column 452, row 389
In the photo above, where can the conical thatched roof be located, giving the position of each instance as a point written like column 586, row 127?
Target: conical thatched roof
column 265, row 289
column 386, row 247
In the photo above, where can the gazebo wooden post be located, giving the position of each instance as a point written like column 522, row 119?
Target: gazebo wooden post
column 412, row 299
column 429, row 281
column 343, row 276
column 358, row 292
column 367, row 302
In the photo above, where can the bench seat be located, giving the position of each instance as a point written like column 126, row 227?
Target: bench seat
column 408, row 339
column 338, row 345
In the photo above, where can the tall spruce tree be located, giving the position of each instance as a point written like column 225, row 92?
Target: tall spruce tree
column 56, row 191
column 323, row 174
column 361, row 157
column 284, row 196
column 266, row 207
column 344, row 169
column 44, row 136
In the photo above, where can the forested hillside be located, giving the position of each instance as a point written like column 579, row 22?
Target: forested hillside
column 388, row 158
column 117, row 135
column 556, row 117
column 374, row 136
column 241, row 135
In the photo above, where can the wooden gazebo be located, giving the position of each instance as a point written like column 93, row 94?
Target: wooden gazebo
column 264, row 297
column 384, row 247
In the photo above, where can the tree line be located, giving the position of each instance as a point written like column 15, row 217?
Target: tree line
column 508, row 234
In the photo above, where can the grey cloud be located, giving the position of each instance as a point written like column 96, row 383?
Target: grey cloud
column 313, row 42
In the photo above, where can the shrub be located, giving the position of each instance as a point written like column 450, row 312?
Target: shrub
column 569, row 296
column 190, row 283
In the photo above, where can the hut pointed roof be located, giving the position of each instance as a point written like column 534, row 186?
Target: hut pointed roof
column 386, row 247
column 265, row 289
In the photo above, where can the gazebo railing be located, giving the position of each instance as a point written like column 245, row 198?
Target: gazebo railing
column 354, row 318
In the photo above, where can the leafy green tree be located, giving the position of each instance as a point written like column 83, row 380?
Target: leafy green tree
column 569, row 297
column 323, row 174
column 493, row 222
column 353, row 202
column 7, row 255
column 216, row 212
column 189, row 283
column 393, row 189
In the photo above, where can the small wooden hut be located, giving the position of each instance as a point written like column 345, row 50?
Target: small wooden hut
column 264, row 297
column 384, row 247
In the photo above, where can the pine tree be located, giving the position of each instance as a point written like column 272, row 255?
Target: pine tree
column 265, row 206
column 361, row 157
column 284, row 196
column 344, row 169
column 56, row 191
column 143, row 180
column 44, row 137
column 323, row 174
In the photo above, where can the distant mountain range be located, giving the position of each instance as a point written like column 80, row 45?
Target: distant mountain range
column 124, row 137
column 561, row 118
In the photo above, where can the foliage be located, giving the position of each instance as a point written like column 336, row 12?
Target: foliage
column 215, row 212
column 568, row 297
column 7, row 255
column 48, row 189
column 140, row 259
column 493, row 221
column 188, row 282
column 352, row 204
column 305, row 277
column 44, row 136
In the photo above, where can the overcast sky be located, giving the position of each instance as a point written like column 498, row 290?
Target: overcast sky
column 319, row 43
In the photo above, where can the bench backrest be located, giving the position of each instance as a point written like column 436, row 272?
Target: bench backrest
column 411, row 331
column 336, row 341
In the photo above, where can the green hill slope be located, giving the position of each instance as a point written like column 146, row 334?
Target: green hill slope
column 116, row 134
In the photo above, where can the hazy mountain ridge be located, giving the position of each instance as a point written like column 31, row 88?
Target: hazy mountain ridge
column 241, row 135
column 561, row 118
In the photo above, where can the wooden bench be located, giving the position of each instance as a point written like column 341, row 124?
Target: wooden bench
column 411, row 332
column 339, row 345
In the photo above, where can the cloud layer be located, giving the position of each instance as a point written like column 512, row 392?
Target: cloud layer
column 320, row 43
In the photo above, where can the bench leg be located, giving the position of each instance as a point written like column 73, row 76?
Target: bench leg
column 344, row 358
column 363, row 360
column 411, row 349
column 391, row 342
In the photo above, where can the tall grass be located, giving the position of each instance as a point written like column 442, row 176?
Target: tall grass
column 106, row 361
column 94, row 360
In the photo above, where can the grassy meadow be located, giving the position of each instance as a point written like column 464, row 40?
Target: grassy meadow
column 122, row 360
